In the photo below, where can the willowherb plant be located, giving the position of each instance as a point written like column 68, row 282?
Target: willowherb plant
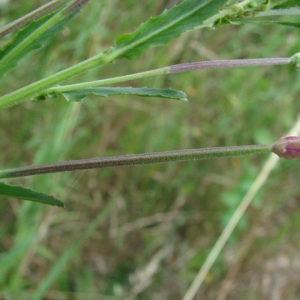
column 38, row 26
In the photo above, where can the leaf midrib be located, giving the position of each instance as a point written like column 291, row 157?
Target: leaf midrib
column 170, row 25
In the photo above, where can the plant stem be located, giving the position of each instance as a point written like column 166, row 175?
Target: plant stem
column 9, row 57
column 252, row 62
column 277, row 12
column 32, row 16
column 137, row 159
column 71, row 87
column 175, row 69
column 28, row 92
column 76, row 6
column 46, row 85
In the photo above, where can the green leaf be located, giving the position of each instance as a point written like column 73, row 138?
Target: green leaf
column 19, row 192
column 79, row 94
column 287, row 4
column 30, row 38
column 170, row 24
column 36, row 14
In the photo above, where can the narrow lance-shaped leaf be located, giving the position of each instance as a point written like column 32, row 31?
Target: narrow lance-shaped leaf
column 79, row 94
column 34, row 36
column 14, row 51
column 34, row 15
column 19, row 192
column 170, row 24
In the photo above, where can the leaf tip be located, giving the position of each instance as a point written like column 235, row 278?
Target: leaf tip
column 59, row 204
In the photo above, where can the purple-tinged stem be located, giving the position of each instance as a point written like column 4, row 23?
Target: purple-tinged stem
column 229, row 64
column 137, row 159
column 76, row 5
column 177, row 69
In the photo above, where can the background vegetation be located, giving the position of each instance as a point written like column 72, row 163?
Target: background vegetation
column 143, row 232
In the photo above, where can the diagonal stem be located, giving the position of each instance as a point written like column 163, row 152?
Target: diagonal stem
column 32, row 16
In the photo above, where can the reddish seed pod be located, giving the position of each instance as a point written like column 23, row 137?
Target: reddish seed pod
column 288, row 147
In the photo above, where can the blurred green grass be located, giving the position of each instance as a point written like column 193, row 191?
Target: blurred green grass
column 161, row 220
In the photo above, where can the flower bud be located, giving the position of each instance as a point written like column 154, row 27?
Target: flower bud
column 288, row 147
column 296, row 61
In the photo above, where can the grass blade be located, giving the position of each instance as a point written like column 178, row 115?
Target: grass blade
column 70, row 252
column 19, row 192
column 235, row 219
